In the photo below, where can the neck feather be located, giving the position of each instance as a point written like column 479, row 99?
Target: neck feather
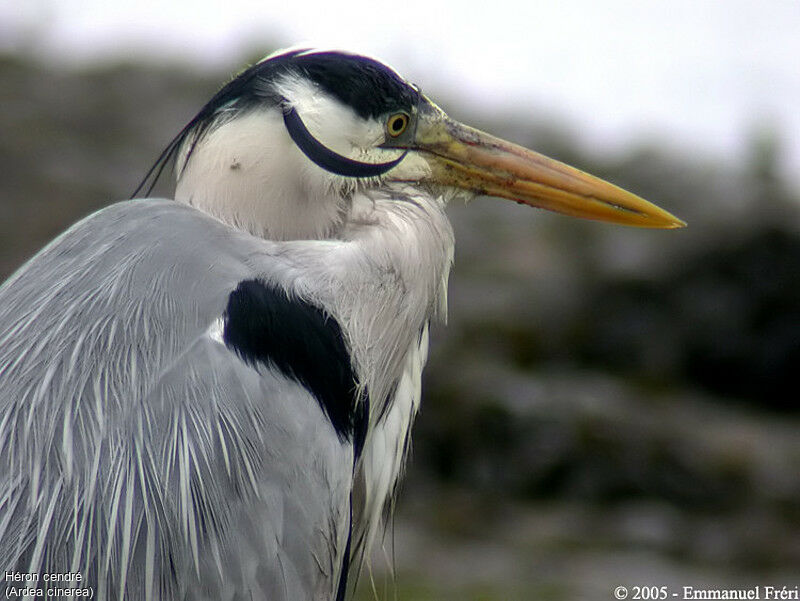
column 383, row 280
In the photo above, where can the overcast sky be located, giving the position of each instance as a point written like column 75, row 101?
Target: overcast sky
column 694, row 74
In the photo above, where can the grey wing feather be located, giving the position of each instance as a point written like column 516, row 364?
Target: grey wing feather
column 135, row 447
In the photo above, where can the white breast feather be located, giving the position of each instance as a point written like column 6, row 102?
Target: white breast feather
column 385, row 453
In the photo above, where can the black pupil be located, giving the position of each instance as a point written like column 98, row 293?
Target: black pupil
column 397, row 124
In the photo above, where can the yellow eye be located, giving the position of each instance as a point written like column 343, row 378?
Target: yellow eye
column 397, row 124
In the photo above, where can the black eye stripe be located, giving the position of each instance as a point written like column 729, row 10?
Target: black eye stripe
column 327, row 158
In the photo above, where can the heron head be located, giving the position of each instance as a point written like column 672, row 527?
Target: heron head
column 321, row 124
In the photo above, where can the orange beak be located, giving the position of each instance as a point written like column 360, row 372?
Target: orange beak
column 470, row 159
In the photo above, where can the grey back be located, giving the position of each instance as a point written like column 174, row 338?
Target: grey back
column 135, row 447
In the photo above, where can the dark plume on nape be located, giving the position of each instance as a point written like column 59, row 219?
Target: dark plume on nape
column 369, row 87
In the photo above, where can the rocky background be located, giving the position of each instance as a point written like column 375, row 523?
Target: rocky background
column 607, row 406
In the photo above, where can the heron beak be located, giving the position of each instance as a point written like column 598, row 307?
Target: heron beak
column 470, row 159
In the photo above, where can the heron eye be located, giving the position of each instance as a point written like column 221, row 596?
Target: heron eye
column 397, row 124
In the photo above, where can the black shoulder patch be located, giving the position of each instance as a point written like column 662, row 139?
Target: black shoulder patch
column 265, row 325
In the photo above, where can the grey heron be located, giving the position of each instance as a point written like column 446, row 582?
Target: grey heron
column 211, row 397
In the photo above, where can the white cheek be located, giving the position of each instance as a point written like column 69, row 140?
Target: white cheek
column 335, row 125
column 413, row 167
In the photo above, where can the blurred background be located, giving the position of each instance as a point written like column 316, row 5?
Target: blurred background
column 607, row 406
